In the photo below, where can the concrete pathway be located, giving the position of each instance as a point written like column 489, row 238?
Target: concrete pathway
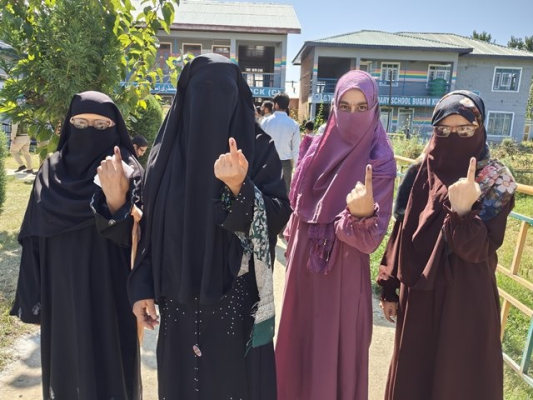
column 22, row 379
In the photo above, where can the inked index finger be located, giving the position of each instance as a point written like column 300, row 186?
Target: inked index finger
column 471, row 176
column 368, row 177
column 233, row 147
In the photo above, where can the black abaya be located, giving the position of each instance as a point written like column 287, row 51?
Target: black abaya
column 75, row 264
column 189, row 254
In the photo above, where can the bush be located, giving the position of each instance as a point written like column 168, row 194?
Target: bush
column 3, row 154
column 146, row 122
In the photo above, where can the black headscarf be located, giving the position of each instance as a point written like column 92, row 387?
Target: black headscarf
column 190, row 255
column 64, row 186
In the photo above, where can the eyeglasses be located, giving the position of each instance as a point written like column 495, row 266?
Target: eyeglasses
column 463, row 131
column 100, row 124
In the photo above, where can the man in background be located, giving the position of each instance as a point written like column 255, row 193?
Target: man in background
column 20, row 143
column 286, row 135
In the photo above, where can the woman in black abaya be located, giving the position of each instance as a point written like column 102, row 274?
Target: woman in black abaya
column 214, row 199
column 76, row 259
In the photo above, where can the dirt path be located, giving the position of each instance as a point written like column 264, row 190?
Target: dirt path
column 22, row 379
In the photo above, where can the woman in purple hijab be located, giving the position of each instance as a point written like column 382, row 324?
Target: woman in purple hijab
column 326, row 322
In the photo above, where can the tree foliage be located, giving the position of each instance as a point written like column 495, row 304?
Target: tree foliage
column 483, row 36
column 147, row 120
column 67, row 46
column 522, row 44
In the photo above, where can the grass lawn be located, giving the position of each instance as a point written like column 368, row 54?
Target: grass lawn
column 18, row 192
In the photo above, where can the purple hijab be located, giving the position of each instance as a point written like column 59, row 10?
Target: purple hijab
column 335, row 162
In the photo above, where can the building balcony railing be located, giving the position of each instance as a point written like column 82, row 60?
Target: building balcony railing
column 435, row 88
column 262, row 84
column 260, row 79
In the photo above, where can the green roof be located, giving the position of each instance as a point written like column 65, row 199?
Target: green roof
column 448, row 42
column 479, row 47
column 241, row 17
column 380, row 38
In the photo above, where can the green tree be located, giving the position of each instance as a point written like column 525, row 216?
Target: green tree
column 483, row 36
column 524, row 44
column 521, row 44
column 68, row 46
column 146, row 121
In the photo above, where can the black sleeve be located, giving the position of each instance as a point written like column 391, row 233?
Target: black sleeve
column 117, row 227
column 141, row 280
column 266, row 174
column 236, row 213
column 268, row 177
column 27, row 305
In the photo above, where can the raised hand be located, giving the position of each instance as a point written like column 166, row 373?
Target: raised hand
column 231, row 168
column 113, row 180
column 465, row 192
column 360, row 200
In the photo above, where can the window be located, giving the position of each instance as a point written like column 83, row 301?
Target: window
column 163, row 53
column 506, row 79
column 194, row 49
column 254, row 77
column 500, row 123
column 384, row 117
column 439, row 72
column 389, row 72
column 222, row 50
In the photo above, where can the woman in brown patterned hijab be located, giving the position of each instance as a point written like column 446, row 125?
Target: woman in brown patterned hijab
column 451, row 213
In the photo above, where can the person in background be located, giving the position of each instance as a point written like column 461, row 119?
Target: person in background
column 257, row 114
column 308, row 137
column 140, row 144
column 20, row 143
column 342, row 198
column 76, row 257
column 286, row 135
column 267, row 108
column 451, row 213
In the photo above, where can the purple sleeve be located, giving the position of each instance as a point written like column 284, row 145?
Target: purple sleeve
column 365, row 234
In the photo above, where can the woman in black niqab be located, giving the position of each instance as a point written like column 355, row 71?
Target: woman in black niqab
column 190, row 256
column 75, row 263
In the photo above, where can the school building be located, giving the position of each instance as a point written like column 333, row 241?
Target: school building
column 414, row 70
column 253, row 35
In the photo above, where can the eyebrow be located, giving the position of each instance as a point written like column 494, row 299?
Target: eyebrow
column 344, row 102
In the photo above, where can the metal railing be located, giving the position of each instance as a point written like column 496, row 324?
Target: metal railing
column 401, row 87
column 521, row 368
column 262, row 79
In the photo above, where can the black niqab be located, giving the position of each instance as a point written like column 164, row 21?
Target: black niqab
column 191, row 256
column 64, row 186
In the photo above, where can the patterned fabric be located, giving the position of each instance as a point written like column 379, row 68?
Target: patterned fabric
column 256, row 245
column 497, row 187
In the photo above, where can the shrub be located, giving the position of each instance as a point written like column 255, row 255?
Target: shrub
column 146, row 121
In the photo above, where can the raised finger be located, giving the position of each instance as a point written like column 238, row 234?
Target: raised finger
column 471, row 176
column 233, row 148
column 368, row 177
column 118, row 155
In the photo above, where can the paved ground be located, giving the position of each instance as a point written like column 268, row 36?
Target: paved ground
column 22, row 380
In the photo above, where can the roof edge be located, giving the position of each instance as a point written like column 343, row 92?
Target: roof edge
column 228, row 28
